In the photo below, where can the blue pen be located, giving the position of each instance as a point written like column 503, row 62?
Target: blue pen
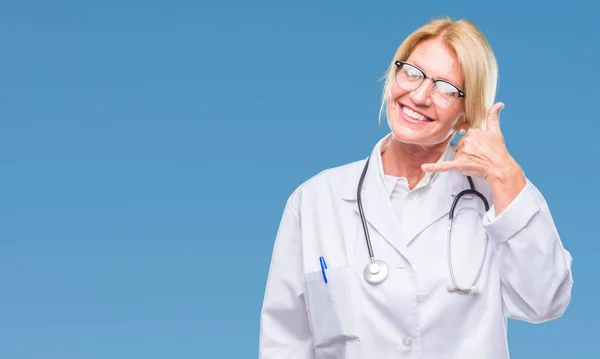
column 323, row 267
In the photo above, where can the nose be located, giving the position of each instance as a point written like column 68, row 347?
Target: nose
column 422, row 94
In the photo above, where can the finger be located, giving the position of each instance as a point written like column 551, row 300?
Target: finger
column 467, row 141
column 493, row 117
column 440, row 166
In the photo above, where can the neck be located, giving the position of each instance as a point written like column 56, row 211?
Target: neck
column 405, row 160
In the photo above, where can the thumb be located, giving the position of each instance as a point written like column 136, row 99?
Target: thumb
column 493, row 117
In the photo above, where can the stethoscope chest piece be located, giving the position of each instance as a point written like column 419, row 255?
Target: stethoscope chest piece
column 376, row 272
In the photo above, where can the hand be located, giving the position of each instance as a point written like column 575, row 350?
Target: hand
column 481, row 153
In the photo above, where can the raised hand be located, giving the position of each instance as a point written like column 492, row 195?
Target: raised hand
column 483, row 153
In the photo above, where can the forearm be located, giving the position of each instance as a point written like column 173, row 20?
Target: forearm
column 535, row 268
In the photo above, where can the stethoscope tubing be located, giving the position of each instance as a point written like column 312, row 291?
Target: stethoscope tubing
column 456, row 287
column 362, row 213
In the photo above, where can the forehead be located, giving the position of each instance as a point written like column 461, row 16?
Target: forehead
column 437, row 60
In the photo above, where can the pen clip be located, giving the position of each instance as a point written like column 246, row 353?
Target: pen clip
column 323, row 267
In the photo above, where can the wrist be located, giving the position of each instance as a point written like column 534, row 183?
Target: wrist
column 507, row 178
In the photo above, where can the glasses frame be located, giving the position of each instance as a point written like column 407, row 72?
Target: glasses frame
column 399, row 65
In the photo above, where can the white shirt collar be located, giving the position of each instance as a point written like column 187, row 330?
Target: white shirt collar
column 390, row 182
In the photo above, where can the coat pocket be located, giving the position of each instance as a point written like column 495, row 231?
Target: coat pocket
column 334, row 307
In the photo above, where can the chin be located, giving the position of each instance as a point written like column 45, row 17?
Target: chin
column 415, row 135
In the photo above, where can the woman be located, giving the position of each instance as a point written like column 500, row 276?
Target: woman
column 429, row 290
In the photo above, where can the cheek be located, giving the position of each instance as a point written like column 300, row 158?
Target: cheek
column 451, row 117
column 447, row 119
column 396, row 93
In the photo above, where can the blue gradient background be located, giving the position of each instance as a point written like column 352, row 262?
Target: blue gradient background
column 147, row 150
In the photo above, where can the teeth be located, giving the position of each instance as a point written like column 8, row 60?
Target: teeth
column 415, row 116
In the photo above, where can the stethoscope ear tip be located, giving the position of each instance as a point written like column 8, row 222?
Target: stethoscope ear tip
column 450, row 287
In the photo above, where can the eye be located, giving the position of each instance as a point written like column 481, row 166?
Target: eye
column 412, row 73
column 446, row 89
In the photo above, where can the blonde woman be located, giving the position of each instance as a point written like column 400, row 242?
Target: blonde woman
column 423, row 249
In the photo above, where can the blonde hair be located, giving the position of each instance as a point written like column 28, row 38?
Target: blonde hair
column 475, row 58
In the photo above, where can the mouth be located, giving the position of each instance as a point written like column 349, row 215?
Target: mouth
column 413, row 116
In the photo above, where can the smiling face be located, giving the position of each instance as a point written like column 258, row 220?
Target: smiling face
column 413, row 116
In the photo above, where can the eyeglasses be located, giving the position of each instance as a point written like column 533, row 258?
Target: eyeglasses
column 443, row 93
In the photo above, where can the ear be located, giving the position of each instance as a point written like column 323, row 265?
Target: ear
column 462, row 123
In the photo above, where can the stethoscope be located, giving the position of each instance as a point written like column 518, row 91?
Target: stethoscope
column 376, row 271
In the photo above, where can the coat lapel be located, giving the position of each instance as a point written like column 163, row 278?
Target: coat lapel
column 380, row 214
column 377, row 207
column 437, row 202
column 434, row 205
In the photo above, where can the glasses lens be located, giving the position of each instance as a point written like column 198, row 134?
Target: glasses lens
column 444, row 94
column 409, row 77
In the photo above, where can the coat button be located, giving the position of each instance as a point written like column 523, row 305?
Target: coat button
column 407, row 342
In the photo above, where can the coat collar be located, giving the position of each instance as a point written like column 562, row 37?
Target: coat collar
column 377, row 206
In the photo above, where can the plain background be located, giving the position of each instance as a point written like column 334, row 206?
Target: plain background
column 148, row 148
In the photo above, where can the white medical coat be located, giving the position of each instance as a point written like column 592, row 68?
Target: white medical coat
column 526, row 273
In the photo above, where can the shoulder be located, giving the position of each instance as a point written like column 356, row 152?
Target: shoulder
column 327, row 184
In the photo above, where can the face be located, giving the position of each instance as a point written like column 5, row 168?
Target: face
column 413, row 117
